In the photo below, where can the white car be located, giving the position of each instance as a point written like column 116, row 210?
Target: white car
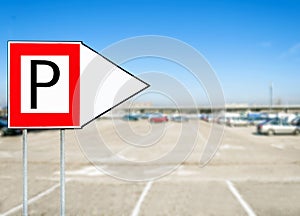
column 237, row 121
column 277, row 126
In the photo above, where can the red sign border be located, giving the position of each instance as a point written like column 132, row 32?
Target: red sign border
column 43, row 120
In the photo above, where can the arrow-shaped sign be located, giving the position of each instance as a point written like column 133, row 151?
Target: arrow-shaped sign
column 63, row 84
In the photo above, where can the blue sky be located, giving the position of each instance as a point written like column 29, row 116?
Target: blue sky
column 248, row 43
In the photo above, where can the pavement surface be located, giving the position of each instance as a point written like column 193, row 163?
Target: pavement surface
column 250, row 174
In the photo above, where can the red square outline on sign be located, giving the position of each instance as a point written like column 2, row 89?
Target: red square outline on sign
column 43, row 120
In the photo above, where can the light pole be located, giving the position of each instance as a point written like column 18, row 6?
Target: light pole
column 271, row 97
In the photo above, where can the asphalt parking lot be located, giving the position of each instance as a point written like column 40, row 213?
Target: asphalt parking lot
column 250, row 174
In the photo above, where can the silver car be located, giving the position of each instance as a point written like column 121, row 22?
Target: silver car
column 277, row 126
column 236, row 121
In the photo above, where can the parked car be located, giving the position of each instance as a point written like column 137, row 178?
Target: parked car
column 207, row 117
column 145, row 115
column 4, row 130
column 257, row 120
column 3, row 118
column 180, row 118
column 288, row 117
column 237, row 121
column 158, row 118
column 130, row 117
column 296, row 121
column 221, row 120
column 277, row 126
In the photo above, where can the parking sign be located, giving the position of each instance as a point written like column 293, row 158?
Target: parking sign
column 63, row 84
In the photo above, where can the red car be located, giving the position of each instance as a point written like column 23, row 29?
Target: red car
column 158, row 119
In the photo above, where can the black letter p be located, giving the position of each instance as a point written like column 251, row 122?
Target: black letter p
column 35, row 84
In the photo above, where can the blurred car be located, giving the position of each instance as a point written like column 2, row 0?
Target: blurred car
column 3, row 118
column 207, row 118
column 180, row 119
column 4, row 130
column 277, row 126
column 221, row 120
column 237, row 121
column 288, row 117
column 158, row 118
column 257, row 120
column 145, row 115
column 296, row 121
column 130, row 117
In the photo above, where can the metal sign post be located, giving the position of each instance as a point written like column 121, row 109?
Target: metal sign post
column 25, row 174
column 62, row 172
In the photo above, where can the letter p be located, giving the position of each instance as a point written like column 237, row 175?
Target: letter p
column 35, row 84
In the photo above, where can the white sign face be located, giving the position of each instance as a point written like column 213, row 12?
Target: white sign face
column 44, row 84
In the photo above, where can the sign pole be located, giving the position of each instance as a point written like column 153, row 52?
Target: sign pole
column 25, row 174
column 62, row 172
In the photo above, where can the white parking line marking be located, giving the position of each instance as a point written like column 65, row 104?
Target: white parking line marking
column 233, row 147
column 169, row 126
column 238, row 196
column 137, row 207
column 32, row 200
column 278, row 146
column 115, row 156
